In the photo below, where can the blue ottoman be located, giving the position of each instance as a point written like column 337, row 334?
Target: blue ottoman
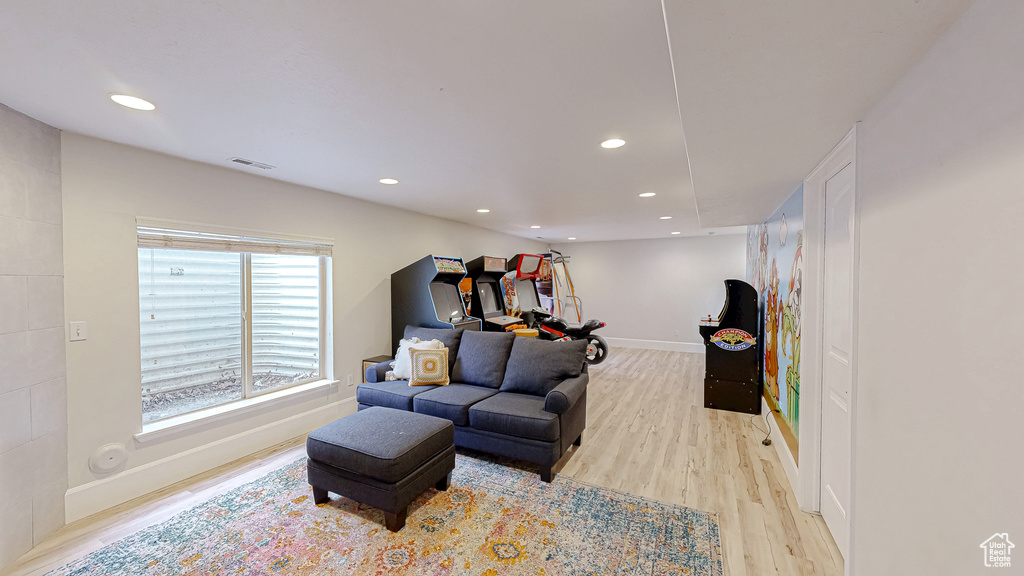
column 381, row 457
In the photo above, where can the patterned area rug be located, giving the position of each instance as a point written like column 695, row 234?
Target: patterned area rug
column 494, row 520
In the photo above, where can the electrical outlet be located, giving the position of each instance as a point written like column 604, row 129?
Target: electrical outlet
column 677, row 333
column 350, row 380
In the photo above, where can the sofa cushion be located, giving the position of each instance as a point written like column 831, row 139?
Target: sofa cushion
column 391, row 394
column 450, row 337
column 380, row 443
column 537, row 366
column 451, row 402
column 520, row 415
column 482, row 358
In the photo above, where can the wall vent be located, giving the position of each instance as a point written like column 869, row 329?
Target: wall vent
column 252, row 163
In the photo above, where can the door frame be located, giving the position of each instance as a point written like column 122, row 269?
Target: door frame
column 844, row 154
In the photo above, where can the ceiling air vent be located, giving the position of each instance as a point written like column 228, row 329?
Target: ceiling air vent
column 252, row 163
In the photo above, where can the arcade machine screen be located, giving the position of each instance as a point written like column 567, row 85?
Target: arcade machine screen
column 447, row 302
column 527, row 293
column 489, row 297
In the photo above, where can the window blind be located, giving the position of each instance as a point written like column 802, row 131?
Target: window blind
column 153, row 237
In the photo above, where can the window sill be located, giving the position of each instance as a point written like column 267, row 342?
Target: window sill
column 176, row 425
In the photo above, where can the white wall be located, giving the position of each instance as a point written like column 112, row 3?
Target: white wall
column 106, row 186
column 938, row 454
column 652, row 293
column 33, row 414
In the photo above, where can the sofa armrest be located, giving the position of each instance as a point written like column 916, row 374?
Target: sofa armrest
column 565, row 395
column 376, row 372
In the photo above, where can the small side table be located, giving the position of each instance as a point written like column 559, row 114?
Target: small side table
column 367, row 362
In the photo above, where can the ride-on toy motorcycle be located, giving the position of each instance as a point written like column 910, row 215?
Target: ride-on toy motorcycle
column 553, row 328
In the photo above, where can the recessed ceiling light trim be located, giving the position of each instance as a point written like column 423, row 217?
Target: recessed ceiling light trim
column 665, row 218
column 646, row 194
column 482, row 210
column 388, row 181
column 613, row 143
column 133, row 102
column 571, row 238
column 535, row 227
column 674, row 233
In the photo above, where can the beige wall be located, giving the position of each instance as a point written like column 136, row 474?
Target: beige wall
column 939, row 398
column 33, row 413
column 653, row 292
column 107, row 185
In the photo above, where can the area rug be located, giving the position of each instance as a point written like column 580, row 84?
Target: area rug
column 494, row 520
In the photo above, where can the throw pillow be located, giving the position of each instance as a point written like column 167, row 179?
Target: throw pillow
column 429, row 367
column 403, row 365
column 536, row 366
column 482, row 358
column 450, row 337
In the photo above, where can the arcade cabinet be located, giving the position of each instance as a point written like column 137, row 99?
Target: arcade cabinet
column 426, row 293
column 732, row 375
column 486, row 300
column 527, row 268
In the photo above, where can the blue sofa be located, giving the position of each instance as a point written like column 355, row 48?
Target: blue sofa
column 521, row 398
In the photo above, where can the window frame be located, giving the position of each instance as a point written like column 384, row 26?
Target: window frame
column 232, row 241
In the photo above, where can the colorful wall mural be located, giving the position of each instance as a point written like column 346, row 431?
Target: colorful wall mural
column 775, row 268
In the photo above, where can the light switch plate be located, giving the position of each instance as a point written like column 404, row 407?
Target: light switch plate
column 78, row 331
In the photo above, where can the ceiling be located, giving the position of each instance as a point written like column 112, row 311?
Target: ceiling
column 470, row 105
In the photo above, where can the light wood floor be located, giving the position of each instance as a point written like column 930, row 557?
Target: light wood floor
column 647, row 434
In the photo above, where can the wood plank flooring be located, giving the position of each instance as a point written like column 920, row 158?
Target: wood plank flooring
column 647, row 434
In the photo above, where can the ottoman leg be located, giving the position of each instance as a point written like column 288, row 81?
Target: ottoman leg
column 320, row 496
column 395, row 522
column 444, row 483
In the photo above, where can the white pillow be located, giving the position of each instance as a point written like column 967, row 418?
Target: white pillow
column 403, row 358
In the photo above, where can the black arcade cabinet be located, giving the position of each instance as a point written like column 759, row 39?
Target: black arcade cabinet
column 732, row 368
column 487, row 300
column 426, row 293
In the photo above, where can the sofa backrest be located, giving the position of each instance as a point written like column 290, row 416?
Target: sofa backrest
column 536, row 366
column 482, row 358
column 450, row 337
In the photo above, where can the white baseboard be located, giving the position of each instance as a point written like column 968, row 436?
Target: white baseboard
column 781, row 448
column 96, row 496
column 693, row 348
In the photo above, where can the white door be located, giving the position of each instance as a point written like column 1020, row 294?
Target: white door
column 837, row 350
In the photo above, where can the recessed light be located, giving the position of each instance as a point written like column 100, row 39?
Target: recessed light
column 534, row 227
column 483, row 210
column 647, row 194
column 571, row 238
column 666, row 218
column 613, row 143
column 674, row 233
column 132, row 102
column 388, row 181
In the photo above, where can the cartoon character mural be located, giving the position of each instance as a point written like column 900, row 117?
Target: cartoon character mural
column 771, row 334
column 773, row 246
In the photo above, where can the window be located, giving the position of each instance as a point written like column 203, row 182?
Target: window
column 223, row 318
